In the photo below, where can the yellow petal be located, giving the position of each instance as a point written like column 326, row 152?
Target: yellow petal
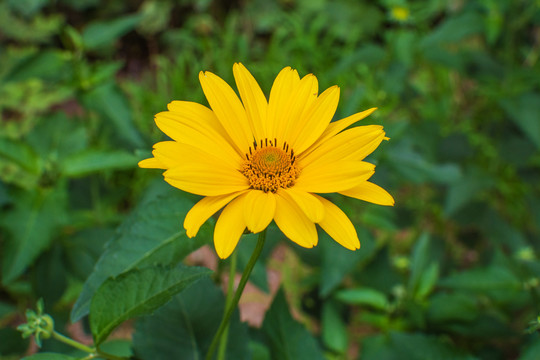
column 202, row 211
column 300, row 98
column 309, row 204
column 292, row 221
column 259, row 210
column 338, row 226
column 228, row 109
column 370, row 192
column 311, row 125
column 280, row 97
column 352, row 144
column 229, row 227
column 340, row 125
column 203, row 174
column 333, row 177
column 171, row 153
column 151, row 163
column 253, row 99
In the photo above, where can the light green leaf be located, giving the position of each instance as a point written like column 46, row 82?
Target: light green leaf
column 92, row 161
column 19, row 153
column 32, row 224
column 363, row 296
column 184, row 328
column 286, row 338
column 151, row 234
column 136, row 293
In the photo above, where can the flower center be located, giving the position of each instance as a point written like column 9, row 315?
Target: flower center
column 269, row 167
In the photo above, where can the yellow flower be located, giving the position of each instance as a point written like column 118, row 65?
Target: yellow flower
column 399, row 13
column 266, row 160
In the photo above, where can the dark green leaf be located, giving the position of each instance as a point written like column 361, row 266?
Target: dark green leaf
column 111, row 103
column 49, row 356
column 337, row 261
column 288, row 339
column 531, row 352
column 102, row 33
column 483, row 279
column 151, row 234
column 136, row 293
column 32, row 224
column 334, row 330
column 524, row 111
column 184, row 328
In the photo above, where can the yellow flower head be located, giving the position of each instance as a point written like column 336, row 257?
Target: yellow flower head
column 265, row 160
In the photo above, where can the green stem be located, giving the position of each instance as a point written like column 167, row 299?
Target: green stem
column 230, row 293
column 93, row 352
column 232, row 306
column 72, row 342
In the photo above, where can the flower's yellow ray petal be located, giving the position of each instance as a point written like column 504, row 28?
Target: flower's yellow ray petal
column 186, row 132
column 300, row 99
column 313, row 123
column 333, row 177
column 199, row 173
column 229, row 227
column 259, row 209
column 228, row 109
column 338, row 226
column 292, row 221
column 151, row 163
column 171, row 153
column 202, row 211
column 370, row 192
column 351, row 144
column 309, row 204
column 340, row 125
column 253, row 99
column 280, row 98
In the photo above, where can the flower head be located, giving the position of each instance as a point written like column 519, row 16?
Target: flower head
column 262, row 160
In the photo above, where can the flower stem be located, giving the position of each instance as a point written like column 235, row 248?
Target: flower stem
column 72, row 342
column 230, row 292
column 232, row 305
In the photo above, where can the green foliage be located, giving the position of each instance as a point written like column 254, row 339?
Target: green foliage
column 452, row 271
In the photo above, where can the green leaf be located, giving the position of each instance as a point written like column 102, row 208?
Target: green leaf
column 483, row 279
column 452, row 307
column 109, row 101
column 405, row 346
column 286, row 338
column 136, row 293
column 531, row 352
column 21, row 154
column 32, row 223
column 184, row 328
column 337, row 261
column 454, row 29
column 523, row 111
column 334, row 330
column 462, row 192
column 363, row 296
column 92, row 161
column 102, row 33
column 49, row 356
column 51, row 65
column 151, row 234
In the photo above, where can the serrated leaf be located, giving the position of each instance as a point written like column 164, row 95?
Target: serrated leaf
column 363, row 296
column 136, row 293
column 184, row 328
column 151, row 234
column 91, row 161
column 32, row 224
column 103, row 33
column 286, row 338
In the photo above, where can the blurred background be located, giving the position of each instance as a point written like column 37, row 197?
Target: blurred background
column 452, row 269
